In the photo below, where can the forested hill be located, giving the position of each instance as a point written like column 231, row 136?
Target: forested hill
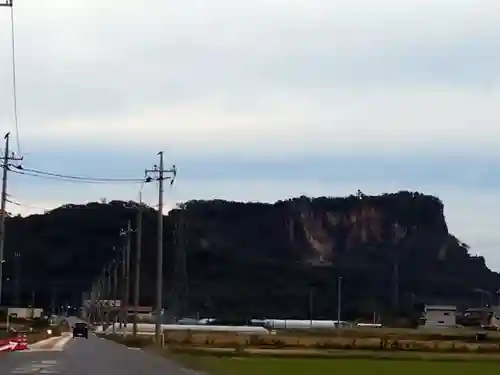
column 256, row 259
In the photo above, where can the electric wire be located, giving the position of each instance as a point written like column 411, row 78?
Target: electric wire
column 14, row 77
column 65, row 179
column 86, row 179
column 15, row 203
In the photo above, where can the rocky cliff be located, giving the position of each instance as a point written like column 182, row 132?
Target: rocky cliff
column 254, row 259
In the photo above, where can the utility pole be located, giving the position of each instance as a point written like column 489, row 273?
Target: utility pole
column 128, row 246
column 52, row 301
column 160, row 171
column 115, row 293
column 311, row 306
column 398, row 234
column 124, row 273
column 17, row 263
column 339, row 300
column 3, row 213
column 181, row 283
column 107, row 277
column 33, row 304
column 93, row 302
column 98, row 283
column 138, row 251
column 6, row 3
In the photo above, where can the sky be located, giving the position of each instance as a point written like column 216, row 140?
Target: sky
column 260, row 101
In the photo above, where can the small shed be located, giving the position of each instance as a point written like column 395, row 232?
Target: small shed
column 440, row 316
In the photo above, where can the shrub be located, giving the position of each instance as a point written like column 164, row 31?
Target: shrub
column 131, row 341
column 40, row 324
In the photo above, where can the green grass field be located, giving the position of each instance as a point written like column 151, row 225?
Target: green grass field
column 277, row 366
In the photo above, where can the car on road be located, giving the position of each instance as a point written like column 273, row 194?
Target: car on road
column 80, row 329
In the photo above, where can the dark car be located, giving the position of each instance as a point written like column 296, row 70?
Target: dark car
column 81, row 330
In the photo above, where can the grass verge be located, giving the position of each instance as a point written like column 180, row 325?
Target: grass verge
column 301, row 366
column 130, row 341
column 225, row 361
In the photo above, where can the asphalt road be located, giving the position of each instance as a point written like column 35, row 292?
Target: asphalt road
column 84, row 357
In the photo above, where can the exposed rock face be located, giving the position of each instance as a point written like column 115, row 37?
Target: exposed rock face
column 322, row 229
column 255, row 259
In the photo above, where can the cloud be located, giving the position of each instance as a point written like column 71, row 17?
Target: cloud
column 278, row 76
column 435, row 120
column 262, row 100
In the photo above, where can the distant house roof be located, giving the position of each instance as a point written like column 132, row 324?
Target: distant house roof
column 440, row 308
column 477, row 309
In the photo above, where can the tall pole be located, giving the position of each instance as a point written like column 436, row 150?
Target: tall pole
column 6, row 158
column 52, row 301
column 115, row 293
column 398, row 234
column 159, row 169
column 17, row 261
column 127, row 273
column 395, row 285
column 108, row 293
column 137, row 287
column 339, row 300
column 99, row 299
column 311, row 307
column 3, row 214
column 33, row 304
column 159, row 254
column 122, row 291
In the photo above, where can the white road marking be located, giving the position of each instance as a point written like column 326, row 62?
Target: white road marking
column 62, row 342
column 43, row 367
column 8, row 347
column 42, row 343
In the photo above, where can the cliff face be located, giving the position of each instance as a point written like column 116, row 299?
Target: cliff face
column 322, row 230
column 255, row 259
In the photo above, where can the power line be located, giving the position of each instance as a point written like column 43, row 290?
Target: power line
column 54, row 178
column 103, row 179
column 14, row 78
column 15, row 203
column 80, row 179
column 8, row 3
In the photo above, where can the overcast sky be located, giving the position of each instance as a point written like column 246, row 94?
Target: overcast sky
column 261, row 100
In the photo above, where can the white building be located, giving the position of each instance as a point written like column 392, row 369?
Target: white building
column 25, row 312
column 493, row 320
column 440, row 316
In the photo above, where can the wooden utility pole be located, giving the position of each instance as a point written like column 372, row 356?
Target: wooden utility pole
column 17, row 262
column 115, row 293
column 339, row 299
column 3, row 214
column 137, row 286
column 398, row 235
column 159, row 169
column 122, row 291
column 107, row 276
column 159, row 254
column 127, row 273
